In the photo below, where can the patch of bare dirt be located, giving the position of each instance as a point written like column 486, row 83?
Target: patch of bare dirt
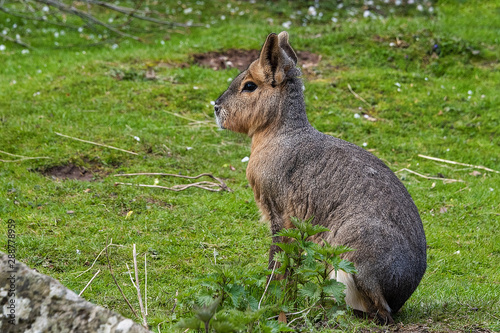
column 241, row 59
column 69, row 171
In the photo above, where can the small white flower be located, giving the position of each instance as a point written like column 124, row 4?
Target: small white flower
column 13, row 82
column 312, row 11
column 189, row 148
column 14, row 26
column 18, row 37
column 230, row 79
column 162, row 42
column 356, row 115
column 431, row 9
column 457, row 252
column 188, row 10
column 114, row 46
column 483, row 96
column 367, row 13
column 4, row 31
column 392, row 44
column 212, row 102
column 491, row 189
column 470, row 92
column 25, row 51
column 195, row 88
column 45, row 9
column 78, row 251
column 397, row 84
column 137, row 138
column 39, row 71
column 110, row 20
column 420, row 8
column 56, row 34
column 245, row 159
column 397, row 2
column 399, row 89
column 2, row 47
column 334, row 19
column 287, row 24
column 365, row 144
column 426, row 79
column 447, row 149
column 223, row 17
column 80, row 29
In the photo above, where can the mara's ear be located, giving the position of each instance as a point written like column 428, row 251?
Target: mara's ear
column 285, row 46
column 276, row 61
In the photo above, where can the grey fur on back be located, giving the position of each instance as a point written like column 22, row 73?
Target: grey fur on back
column 297, row 171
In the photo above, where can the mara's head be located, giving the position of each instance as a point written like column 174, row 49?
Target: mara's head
column 252, row 101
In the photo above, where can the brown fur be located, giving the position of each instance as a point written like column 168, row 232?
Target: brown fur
column 295, row 170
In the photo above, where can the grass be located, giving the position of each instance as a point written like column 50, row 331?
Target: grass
column 442, row 105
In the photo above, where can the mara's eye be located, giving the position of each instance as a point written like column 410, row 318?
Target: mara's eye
column 249, row 86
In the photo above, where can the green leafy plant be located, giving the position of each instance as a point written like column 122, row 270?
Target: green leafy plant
column 307, row 268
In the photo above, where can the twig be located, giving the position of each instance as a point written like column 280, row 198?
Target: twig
column 196, row 122
column 457, row 163
column 97, row 144
column 86, row 17
column 301, row 317
column 23, row 158
column 209, row 186
column 144, row 322
column 447, row 180
column 17, row 41
column 146, row 283
column 119, row 288
column 88, row 284
column 130, row 276
column 88, row 269
column 178, row 188
column 132, row 12
column 357, row 96
column 175, row 301
column 267, row 285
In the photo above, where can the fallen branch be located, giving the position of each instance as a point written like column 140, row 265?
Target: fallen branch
column 88, row 284
column 17, row 41
column 267, row 285
column 95, row 260
column 458, row 163
column 86, row 17
column 133, row 13
column 119, row 288
column 144, row 321
column 97, row 144
column 177, row 188
column 446, row 180
column 209, row 186
column 23, row 158
column 357, row 96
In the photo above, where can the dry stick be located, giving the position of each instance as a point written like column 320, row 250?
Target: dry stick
column 457, row 163
column 119, row 288
column 86, row 17
column 146, row 283
column 268, row 282
column 177, row 188
column 357, row 96
column 88, row 269
column 88, row 284
column 132, row 12
column 14, row 40
column 130, row 276
column 222, row 184
column 434, row 178
column 97, row 144
column 198, row 122
column 144, row 322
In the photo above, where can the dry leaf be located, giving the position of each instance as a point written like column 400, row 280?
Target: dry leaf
column 443, row 210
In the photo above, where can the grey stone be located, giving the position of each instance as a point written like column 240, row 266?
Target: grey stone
column 32, row 302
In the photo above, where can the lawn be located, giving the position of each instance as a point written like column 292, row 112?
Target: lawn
column 400, row 81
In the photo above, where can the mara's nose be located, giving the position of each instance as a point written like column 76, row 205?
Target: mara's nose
column 217, row 109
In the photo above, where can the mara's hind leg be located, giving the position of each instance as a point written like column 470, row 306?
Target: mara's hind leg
column 369, row 303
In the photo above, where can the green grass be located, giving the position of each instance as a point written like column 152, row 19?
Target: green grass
column 447, row 107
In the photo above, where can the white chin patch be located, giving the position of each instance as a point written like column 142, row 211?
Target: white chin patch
column 219, row 123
